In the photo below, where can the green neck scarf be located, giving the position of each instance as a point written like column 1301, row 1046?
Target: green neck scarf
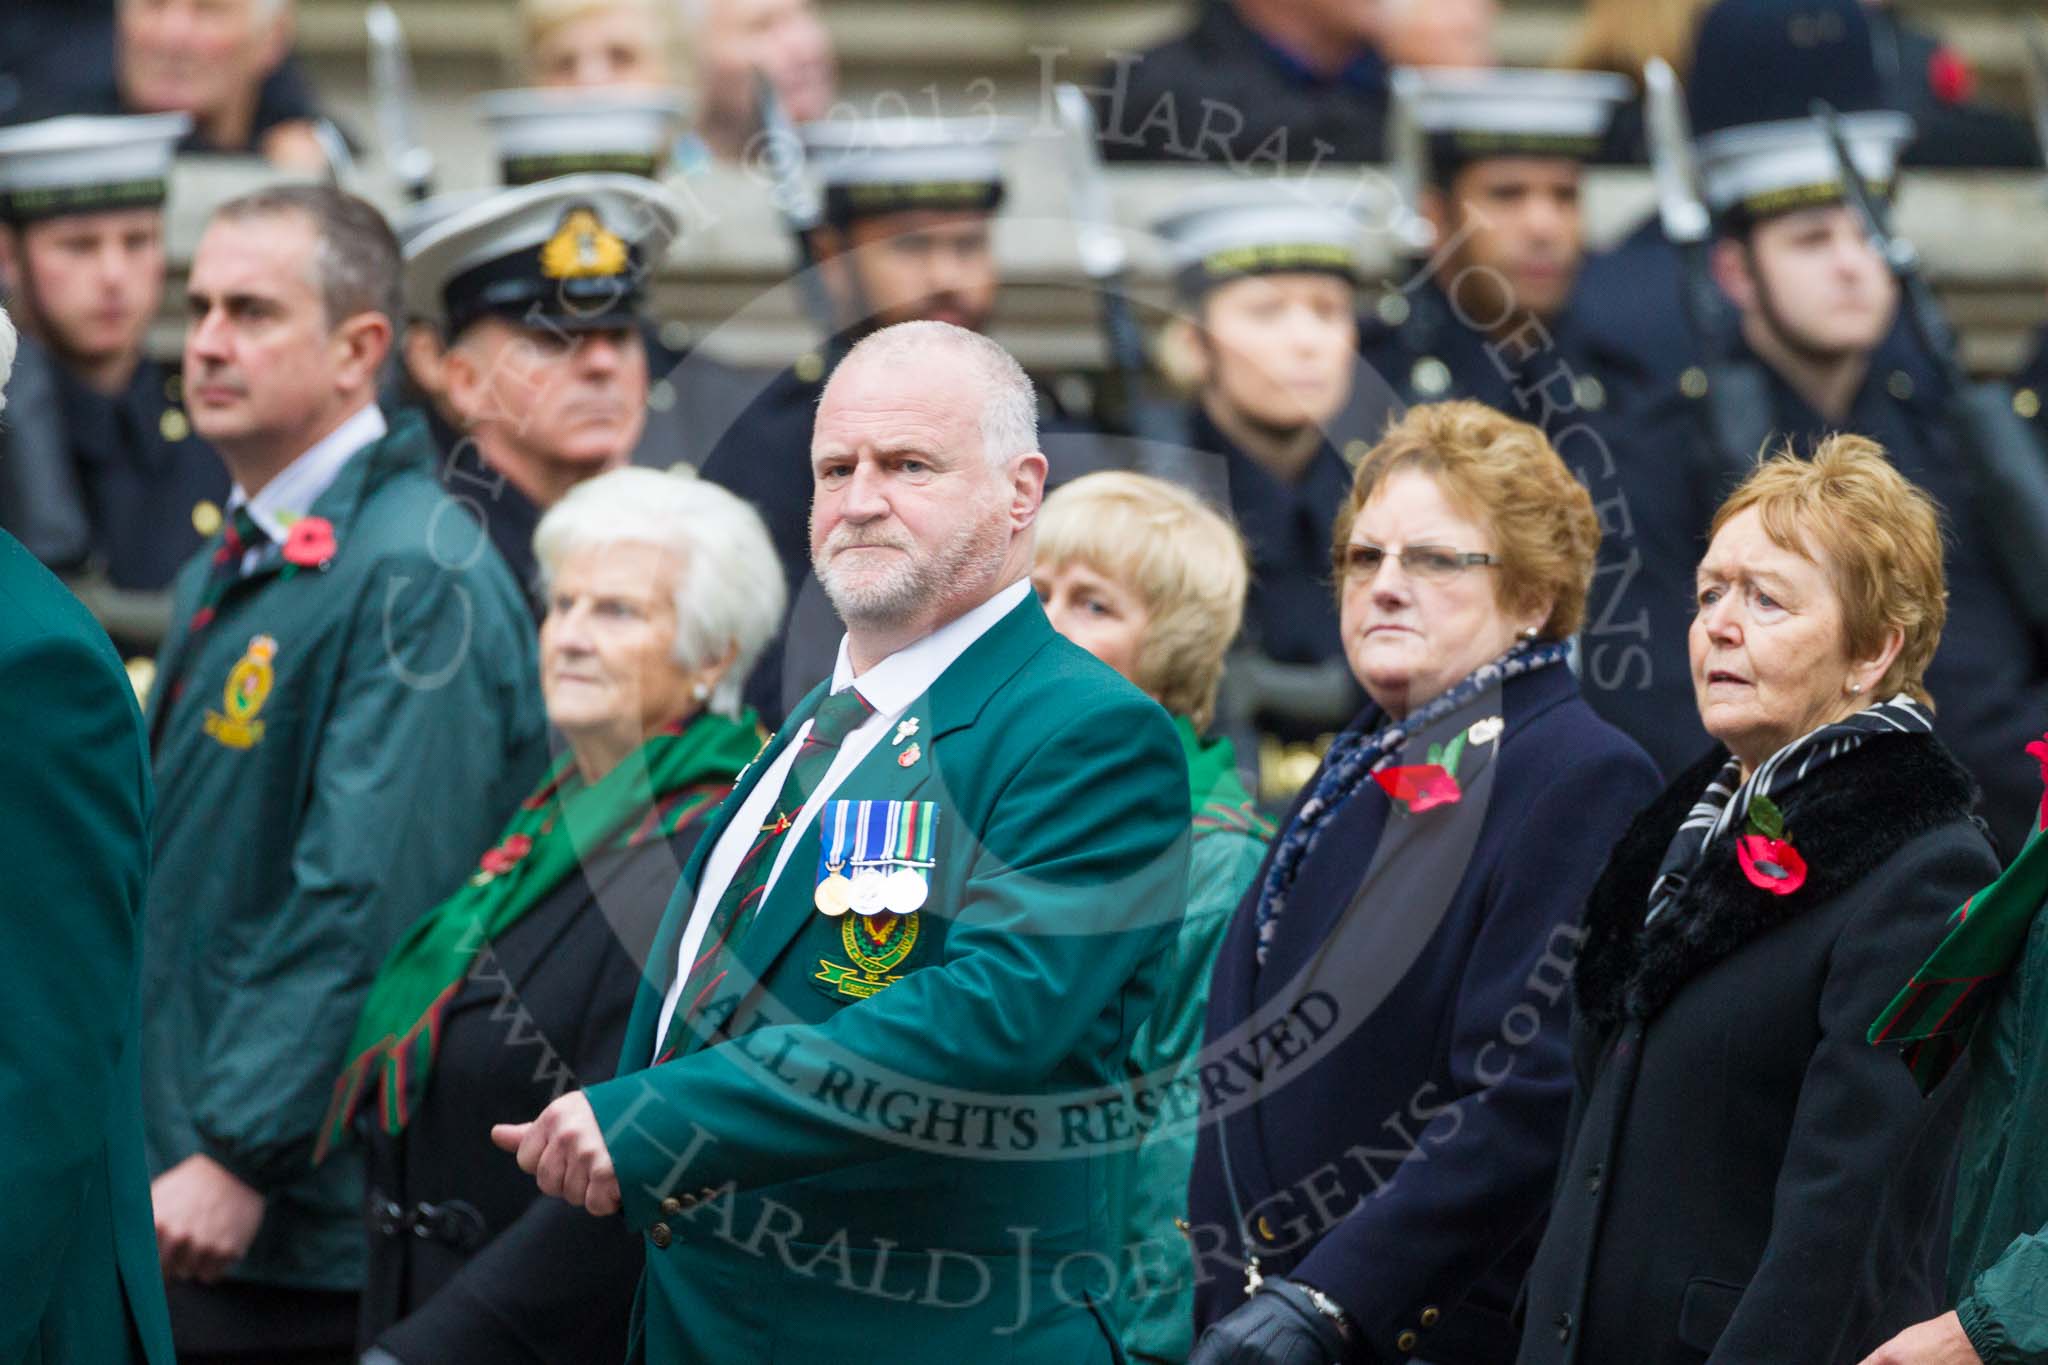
column 1934, row 1016
column 1217, row 798
column 675, row 776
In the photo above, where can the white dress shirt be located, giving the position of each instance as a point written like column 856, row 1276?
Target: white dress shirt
column 298, row 485
column 890, row 687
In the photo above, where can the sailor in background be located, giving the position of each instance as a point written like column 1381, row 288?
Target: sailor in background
column 100, row 474
column 1267, row 335
column 1817, row 310
column 1496, row 160
column 910, row 209
column 536, row 295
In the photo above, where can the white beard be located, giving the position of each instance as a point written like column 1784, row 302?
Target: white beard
column 911, row 584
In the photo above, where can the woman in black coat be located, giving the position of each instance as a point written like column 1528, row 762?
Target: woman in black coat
column 1384, row 1076
column 1746, row 1178
column 517, row 988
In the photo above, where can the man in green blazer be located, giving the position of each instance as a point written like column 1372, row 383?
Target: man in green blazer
column 346, row 710
column 78, row 1276
column 868, row 1105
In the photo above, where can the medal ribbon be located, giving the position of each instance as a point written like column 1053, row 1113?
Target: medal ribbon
column 838, row 716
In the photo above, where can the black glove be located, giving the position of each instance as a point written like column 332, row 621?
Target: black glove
column 1277, row 1326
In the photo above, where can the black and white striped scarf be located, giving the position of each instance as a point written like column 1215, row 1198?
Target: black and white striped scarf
column 1726, row 801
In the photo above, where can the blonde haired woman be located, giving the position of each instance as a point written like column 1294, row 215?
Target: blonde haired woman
column 598, row 43
column 1148, row 579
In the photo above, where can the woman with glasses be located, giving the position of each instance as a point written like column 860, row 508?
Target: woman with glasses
column 1384, row 1077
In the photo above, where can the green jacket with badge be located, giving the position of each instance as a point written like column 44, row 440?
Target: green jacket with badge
column 332, row 752
column 78, row 1266
column 908, row 1156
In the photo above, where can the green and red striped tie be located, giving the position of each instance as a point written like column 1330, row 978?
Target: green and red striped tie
column 237, row 538
column 839, row 716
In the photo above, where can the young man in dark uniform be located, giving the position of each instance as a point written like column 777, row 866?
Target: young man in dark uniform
column 1498, row 157
column 101, row 476
column 1816, row 309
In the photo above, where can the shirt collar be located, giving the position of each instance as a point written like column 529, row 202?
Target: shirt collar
column 299, row 485
column 1366, row 72
column 891, row 685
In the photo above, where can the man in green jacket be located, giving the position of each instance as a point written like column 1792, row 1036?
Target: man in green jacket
column 1985, row 990
column 346, row 709
column 78, row 1276
column 869, row 1107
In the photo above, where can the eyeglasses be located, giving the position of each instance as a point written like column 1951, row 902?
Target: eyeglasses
column 1429, row 563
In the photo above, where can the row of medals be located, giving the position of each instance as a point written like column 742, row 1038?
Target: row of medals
column 870, row 891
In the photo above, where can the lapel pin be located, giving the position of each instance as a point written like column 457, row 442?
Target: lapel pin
column 1485, row 731
column 908, row 756
column 905, row 730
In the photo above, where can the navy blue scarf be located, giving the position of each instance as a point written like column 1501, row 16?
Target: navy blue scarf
column 1355, row 756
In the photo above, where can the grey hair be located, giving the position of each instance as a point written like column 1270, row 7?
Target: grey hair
column 1009, row 403
column 8, row 341
column 730, row 593
column 357, row 267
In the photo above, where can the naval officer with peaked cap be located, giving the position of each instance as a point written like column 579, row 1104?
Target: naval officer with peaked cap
column 536, row 294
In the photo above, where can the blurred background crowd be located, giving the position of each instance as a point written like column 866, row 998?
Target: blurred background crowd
column 427, row 108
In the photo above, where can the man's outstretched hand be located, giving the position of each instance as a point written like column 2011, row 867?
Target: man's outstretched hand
column 564, row 1151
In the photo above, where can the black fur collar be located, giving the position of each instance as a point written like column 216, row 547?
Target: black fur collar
column 1845, row 820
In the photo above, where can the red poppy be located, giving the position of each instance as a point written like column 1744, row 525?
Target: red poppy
column 1771, row 864
column 1949, row 78
column 2039, row 749
column 1421, row 785
column 505, row 856
column 310, row 543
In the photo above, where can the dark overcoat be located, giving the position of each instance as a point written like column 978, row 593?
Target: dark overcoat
column 1387, row 1095
column 492, row 1272
column 1747, row 1179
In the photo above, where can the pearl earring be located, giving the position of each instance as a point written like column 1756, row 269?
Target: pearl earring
column 700, row 692
column 1855, row 689
column 1529, row 632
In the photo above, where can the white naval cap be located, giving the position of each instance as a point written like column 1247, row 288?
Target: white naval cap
column 1763, row 169
column 1231, row 231
column 571, row 252
column 84, row 163
column 868, row 166
column 542, row 133
column 414, row 218
column 1470, row 114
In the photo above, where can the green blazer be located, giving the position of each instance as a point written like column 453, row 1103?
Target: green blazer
column 920, row 1173
column 332, row 753
column 78, row 1267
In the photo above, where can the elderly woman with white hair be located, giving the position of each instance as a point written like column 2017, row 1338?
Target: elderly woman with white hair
column 661, row 592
